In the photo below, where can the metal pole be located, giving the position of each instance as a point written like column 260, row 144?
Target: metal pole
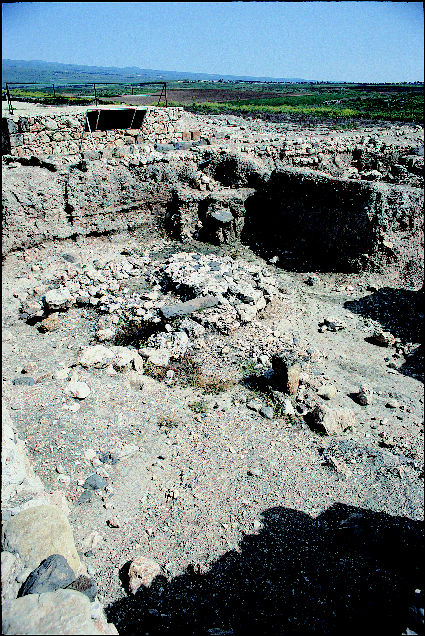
column 54, row 94
column 166, row 103
column 9, row 101
column 95, row 96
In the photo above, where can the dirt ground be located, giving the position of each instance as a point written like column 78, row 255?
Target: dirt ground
column 252, row 522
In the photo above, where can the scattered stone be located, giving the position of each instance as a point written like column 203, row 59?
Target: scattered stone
column 65, row 479
column 365, row 395
column 313, row 280
column 22, row 576
column 246, row 312
column 89, row 454
column 32, row 308
column 94, row 482
column 287, row 369
column 51, row 323
column 383, row 338
column 85, row 585
column 52, row 573
column 114, row 522
column 58, row 299
column 254, row 405
column 287, row 408
column 97, row 356
column 108, row 458
column 158, row 357
column 79, row 390
column 103, row 335
column 142, row 571
column 93, row 541
column 255, row 472
column 126, row 451
column 334, row 324
column 23, row 381
column 327, row 391
column 332, row 421
column 85, row 497
column 189, row 307
column 267, row 412
column 393, row 404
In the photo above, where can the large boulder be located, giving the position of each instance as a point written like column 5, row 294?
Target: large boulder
column 39, row 532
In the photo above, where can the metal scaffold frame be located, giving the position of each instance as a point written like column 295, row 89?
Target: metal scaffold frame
column 161, row 95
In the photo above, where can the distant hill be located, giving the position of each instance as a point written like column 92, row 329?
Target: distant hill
column 15, row 71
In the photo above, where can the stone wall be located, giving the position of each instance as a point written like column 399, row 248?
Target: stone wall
column 63, row 134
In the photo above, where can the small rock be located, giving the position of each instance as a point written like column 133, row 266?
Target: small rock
column 142, row 571
column 92, row 541
column 334, row 324
column 267, row 412
column 79, row 390
column 126, row 451
column 287, row 408
column 85, row 497
column 32, row 308
column 332, row 421
column 114, row 522
column 287, row 369
column 313, row 280
column 105, row 334
column 257, row 525
column 85, row 585
column 254, row 405
column 51, row 323
column 62, row 374
column 60, row 469
column 89, row 454
column 23, row 381
column 65, row 479
column 327, row 391
column 97, row 356
column 94, row 482
column 392, row 404
column 265, row 360
column 365, row 395
column 58, row 299
column 383, row 338
column 22, row 576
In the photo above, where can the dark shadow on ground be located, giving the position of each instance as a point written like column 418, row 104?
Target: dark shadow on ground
column 349, row 571
column 399, row 311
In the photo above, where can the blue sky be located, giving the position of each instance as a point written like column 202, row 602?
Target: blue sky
column 334, row 41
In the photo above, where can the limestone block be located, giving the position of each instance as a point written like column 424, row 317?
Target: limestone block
column 60, row 612
column 37, row 533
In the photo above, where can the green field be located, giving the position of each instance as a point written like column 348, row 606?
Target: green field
column 317, row 101
column 390, row 103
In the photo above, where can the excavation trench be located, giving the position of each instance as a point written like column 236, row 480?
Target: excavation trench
column 304, row 219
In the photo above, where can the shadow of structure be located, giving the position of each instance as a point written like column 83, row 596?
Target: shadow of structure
column 311, row 222
column 399, row 311
column 348, row 571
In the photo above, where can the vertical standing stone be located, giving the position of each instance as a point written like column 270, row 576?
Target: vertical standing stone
column 287, row 369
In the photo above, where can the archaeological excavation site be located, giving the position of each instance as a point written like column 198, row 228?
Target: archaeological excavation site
column 212, row 374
